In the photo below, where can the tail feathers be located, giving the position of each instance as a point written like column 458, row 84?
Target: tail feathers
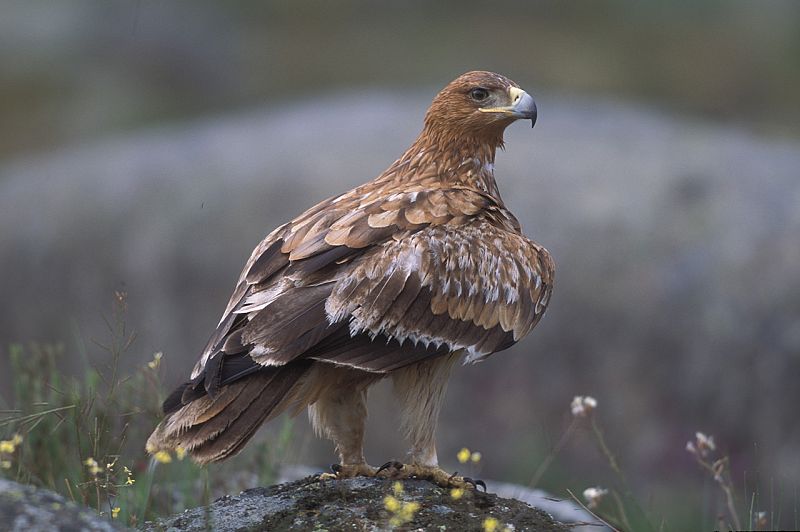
column 214, row 429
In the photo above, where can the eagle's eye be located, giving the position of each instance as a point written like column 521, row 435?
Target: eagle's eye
column 479, row 94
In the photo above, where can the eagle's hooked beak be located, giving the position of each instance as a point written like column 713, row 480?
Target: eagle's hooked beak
column 522, row 106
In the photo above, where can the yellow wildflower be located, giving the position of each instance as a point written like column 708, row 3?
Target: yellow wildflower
column 115, row 512
column 391, row 503
column 163, row 456
column 463, row 455
column 490, row 524
column 153, row 364
column 180, row 452
column 94, row 467
column 16, row 439
column 130, row 482
column 407, row 511
column 402, row 512
column 7, row 446
column 475, row 457
column 5, row 464
column 456, row 493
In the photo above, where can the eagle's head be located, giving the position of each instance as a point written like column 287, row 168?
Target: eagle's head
column 479, row 105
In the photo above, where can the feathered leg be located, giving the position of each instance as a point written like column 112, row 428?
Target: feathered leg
column 421, row 388
column 340, row 413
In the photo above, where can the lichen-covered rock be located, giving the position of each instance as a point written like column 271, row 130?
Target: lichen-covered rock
column 30, row 509
column 357, row 504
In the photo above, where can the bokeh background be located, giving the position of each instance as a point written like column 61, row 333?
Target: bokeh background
column 147, row 146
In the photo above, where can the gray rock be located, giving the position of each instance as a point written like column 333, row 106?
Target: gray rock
column 563, row 510
column 30, row 509
column 354, row 504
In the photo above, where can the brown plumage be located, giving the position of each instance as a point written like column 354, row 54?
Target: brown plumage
column 402, row 276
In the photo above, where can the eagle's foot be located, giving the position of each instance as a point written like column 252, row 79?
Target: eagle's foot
column 341, row 471
column 398, row 471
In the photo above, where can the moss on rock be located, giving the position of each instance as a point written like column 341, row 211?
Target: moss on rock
column 356, row 504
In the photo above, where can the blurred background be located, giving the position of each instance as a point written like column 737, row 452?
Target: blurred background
column 147, row 146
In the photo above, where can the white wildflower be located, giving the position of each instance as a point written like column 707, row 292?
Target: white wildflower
column 702, row 445
column 594, row 496
column 582, row 406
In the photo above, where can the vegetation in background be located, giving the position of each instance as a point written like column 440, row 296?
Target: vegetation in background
column 84, row 437
column 621, row 507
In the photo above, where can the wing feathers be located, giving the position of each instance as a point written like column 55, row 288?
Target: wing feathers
column 464, row 288
column 270, row 261
column 285, row 320
column 377, row 287
column 224, row 429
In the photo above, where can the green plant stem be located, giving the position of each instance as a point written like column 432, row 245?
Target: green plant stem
column 614, row 464
column 590, row 512
column 26, row 418
column 545, row 465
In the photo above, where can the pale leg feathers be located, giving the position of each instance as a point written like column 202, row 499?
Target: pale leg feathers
column 420, row 388
column 339, row 411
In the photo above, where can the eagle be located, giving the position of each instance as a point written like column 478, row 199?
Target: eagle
column 401, row 277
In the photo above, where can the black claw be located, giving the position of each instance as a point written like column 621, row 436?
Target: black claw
column 391, row 463
column 475, row 483
column 336, row 468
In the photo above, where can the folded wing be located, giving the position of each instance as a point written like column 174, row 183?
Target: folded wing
column 376, row 283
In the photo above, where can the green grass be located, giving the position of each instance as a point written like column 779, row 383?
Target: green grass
column 66, row 425
column 83, row 436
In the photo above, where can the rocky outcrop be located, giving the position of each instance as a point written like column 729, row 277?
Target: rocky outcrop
column 30, row 509
column 358, row 504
